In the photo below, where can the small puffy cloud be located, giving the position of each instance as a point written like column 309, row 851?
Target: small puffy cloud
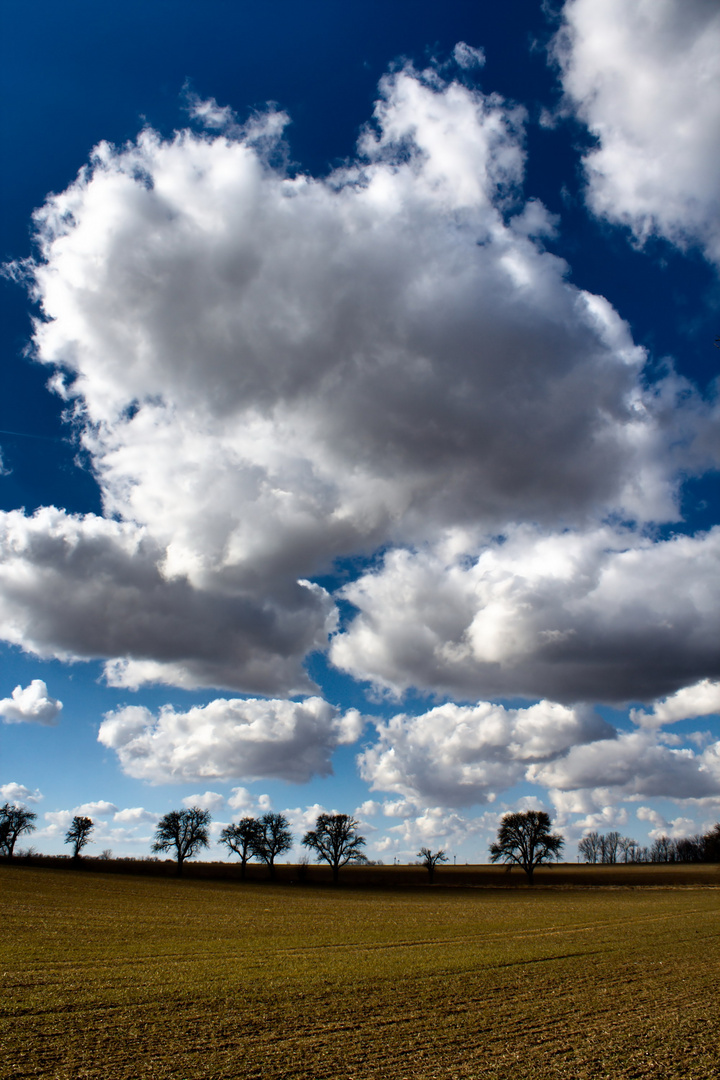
column 567, row 616
column 209, row 800
column 675, row 828
column 240, row 799
column 604, row 819
column 647, row 813
column 466, row 56
column 101, row 808
column 136, row 815
column 31, row 704
column 248, row 805
column 301, row 820
column 681, row 826
column 400, row 808
column 58, row 820
column 702, row 699
column 247, row 738
column 457, row 756
column 18, row 794
column 208, row 112
column 645, row 78
column 436, row 827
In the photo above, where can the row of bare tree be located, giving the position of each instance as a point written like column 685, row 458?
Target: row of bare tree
column 15, row 821
column 613, row 848
column 334, row 840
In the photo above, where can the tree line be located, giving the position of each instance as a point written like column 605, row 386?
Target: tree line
column 524, row 839
column 613, row 848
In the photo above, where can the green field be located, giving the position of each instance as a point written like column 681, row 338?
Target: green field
column 118, row 976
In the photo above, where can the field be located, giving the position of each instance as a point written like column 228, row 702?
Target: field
column 122, row 977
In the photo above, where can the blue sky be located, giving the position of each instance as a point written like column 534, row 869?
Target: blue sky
column 359, row 417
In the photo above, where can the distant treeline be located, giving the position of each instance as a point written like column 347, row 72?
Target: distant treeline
column 610, row 848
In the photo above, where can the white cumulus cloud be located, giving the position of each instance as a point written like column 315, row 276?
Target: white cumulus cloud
column 83, row 586
column 208, row 800
column 30, row 704
column 99, row 808
column 701, row 699
column 18, row 793
column 246, row 738
column 272, row 371
column 644, row 75
column 135, row 815
column 634, row 764
column 460, row 755
column 568, row 616
column 468, row 56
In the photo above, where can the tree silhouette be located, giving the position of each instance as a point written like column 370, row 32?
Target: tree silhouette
column 430, row 860
column 185, row 831
column 590, row 847
column 272, row 838
column 239, row 838
column 14, row 821
column 79, row 834
column 335, row 840
column 524, row 839
column 711, row 844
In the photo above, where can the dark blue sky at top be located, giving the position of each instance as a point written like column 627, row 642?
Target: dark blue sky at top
column 79, row 72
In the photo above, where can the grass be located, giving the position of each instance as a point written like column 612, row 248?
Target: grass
column 132, row 978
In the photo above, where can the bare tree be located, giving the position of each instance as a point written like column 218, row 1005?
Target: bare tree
column 611, row 841
column 690, row 848
column 590, row 847
column 273, row 838
column 335, row 840
column 239, row 838
column 14, row 821
column 79, row 834
column 628, row 848
column 430, row 860
column 524, row 839
column 663, row 850
column 184, row 831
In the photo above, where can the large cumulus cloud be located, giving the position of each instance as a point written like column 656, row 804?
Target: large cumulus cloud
column 460, row 755
column 644, row 75
column 79, row 587
column 603, row 615
column 457, row 756
column 270, row 370
column 634, row 764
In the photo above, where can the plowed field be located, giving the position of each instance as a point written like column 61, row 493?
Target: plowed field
column 128, row 978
